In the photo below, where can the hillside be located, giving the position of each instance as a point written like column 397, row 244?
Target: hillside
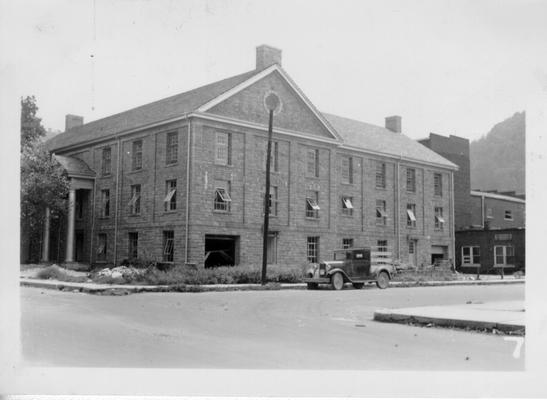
column 498, row 159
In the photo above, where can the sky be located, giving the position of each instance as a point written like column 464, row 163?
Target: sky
column 449, row 67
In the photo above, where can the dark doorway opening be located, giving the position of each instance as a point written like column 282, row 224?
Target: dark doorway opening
column 221, row 250
column 79, row 246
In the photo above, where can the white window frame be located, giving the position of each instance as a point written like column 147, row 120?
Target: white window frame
column 381, row 213
column 439, row 219
column 135, row 197
column 222, row 200
column 506, row 217
column 347, row 205
column 347, row 170
column 168, row 247
column 223, row 148
column 171, row 191
column 410, row 212
column 504, row 254
column 312, row 252
column 469, row 260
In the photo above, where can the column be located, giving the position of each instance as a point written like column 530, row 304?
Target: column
column 45, row 248
column 70, row 226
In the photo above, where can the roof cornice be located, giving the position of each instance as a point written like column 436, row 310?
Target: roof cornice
column 401, row 158
column 497, row 196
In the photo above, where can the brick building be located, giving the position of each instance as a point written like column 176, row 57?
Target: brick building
column 490, row 232
column 495, row 210
column 456, row 149
column 182, row 180
column 491, row 251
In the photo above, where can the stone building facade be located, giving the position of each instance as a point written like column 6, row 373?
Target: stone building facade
column 181, row 180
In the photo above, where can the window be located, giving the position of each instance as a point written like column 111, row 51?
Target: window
column 411, row 246
column 101, row 247
column 312, row 206
column 223, row 148
column 313, row 162
column 137, row 155
column 274, row 165
column 313, row 249
column 439, row 220
column 489, row 214
column 168, row 246
column 347, row 205
column 380, row 175
column 381, row 214
column 133, row 251
column 411, row 180
column 105, row 203
column 503, row 236
column 411, row 215
column 222, row 199
column 347, row 243
column 170, row 200
column 106, row 161
column 471, row 255
column 273, row 201
column 172, row 148
column 381, row 246
column 508, row 215
column 347, row 169
column 272, row 248
column 438, row 184
column 135, row 202
column 504, row 255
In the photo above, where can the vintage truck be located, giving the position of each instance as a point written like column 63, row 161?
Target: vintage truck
column 356, row 266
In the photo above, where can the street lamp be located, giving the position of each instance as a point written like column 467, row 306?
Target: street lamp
column 272, row 104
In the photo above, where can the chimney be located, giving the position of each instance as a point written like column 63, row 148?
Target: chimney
column 266, row 56
column 393, row 123
column 72, row 121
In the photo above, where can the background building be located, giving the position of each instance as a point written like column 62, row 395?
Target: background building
column 181, row 180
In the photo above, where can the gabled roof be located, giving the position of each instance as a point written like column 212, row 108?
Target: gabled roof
column 74, row 166
column 376, row 139
column 161, row 110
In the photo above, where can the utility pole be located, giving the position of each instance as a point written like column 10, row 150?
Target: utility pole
column 271, row 102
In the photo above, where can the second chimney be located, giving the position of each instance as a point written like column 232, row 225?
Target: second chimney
column 394, row 123
column 72, row 121
column 266, row 56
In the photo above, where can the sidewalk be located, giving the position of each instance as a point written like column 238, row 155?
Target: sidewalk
column 96, row 288
column 505, row 317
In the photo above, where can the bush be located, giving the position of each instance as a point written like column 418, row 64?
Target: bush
column 54, row 272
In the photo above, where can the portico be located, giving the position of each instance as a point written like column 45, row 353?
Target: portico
column 81, row 178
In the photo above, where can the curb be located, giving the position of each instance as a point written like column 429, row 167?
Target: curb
column 400, row 318
column 96, row 288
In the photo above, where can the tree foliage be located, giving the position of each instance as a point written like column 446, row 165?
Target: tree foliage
column 31, row 125
column 43, row 181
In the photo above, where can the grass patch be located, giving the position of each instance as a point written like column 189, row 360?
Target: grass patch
column 54, row 272
column 222, row 275
column 425, row 276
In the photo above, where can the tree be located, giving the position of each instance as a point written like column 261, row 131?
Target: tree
column 31, row 125
column 43, row 181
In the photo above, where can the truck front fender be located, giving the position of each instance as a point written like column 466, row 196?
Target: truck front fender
column 335, row 270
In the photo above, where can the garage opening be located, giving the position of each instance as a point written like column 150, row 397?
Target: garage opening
column 438, row 253
column 221, row 250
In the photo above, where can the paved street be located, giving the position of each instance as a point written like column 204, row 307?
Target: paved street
column 320, row 329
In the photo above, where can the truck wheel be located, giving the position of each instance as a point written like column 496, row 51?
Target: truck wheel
column 358, row 285
column 383, row 280
column 312, row 285
column 337, row 281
